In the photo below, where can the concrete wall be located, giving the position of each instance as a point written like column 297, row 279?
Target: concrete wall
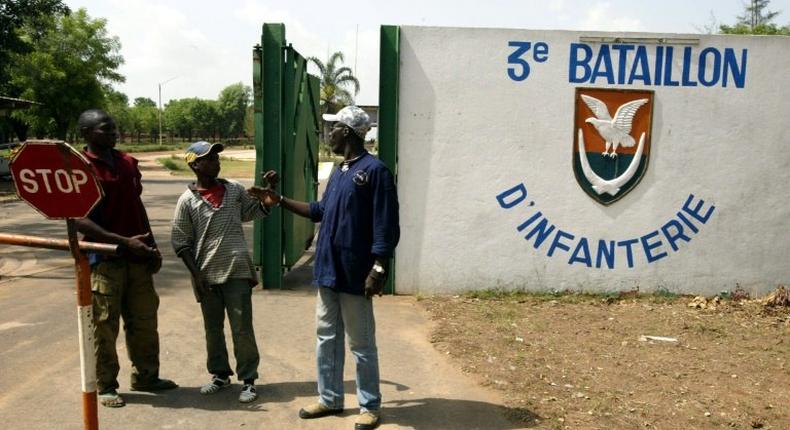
column 469, row 132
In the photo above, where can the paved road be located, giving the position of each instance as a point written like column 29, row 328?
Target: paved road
column 39, row 376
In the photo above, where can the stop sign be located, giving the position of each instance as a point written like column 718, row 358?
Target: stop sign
column 55, row 179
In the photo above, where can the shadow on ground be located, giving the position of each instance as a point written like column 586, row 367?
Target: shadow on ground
column 452, row 414
column 433, row 413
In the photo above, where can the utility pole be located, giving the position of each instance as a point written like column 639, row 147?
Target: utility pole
column 160, row 107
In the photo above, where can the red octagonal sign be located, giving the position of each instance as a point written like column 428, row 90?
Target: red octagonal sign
column 55, row 179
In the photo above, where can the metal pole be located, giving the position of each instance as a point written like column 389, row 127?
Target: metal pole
column 160, row 106
column 65, row 245
column 160, row 114
column 90, row 413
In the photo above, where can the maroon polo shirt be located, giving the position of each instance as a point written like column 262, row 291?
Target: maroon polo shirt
column 121, row 210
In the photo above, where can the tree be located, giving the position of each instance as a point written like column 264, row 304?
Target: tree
column 71, row 68
column 192, row 117
column 756, row 19
column 14, row 14
column 336, row 80
column 756, row 14
column 206, row 117
column 249, row 121
column 177, row 117
column 144, row 102
column 145, row 119
column 231, row 108
column 116, row 104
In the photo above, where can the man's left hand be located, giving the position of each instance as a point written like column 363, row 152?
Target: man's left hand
column 374, row 284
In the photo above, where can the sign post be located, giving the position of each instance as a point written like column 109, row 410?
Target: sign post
column 58, row 182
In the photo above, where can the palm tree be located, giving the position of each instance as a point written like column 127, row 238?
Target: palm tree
column 336, row 82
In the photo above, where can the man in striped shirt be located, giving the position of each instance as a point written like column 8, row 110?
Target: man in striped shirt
column 208, row 236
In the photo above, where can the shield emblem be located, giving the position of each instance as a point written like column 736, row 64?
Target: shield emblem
column 612, row 134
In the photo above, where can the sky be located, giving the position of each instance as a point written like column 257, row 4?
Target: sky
column 198, row 47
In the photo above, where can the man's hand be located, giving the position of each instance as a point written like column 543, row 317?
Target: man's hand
column 200, row 287
column 271, row 179
column 137, row 245
column 374, row 284
column 267, row 196
column 156, row 263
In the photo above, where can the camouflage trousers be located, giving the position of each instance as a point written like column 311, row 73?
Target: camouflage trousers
column 122, row 289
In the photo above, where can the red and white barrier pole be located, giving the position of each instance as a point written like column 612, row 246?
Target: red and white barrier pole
column 90, row 417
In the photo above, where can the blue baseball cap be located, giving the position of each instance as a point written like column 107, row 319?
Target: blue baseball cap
column 201, row 148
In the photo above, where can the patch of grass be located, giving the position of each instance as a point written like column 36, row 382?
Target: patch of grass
column 237, row 169
column 661, row 294
column 173, row 164
column 707, row 329
column 493, row 294
column 231, row 167
column 150, row 147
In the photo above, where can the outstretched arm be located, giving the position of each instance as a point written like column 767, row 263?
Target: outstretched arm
column 271, row 198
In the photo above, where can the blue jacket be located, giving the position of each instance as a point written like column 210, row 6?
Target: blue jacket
column 359, row 220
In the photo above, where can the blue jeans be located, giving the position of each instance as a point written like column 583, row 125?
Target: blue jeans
column 339, row 315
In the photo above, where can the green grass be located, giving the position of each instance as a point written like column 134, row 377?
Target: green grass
column 231, row 167
column 664, row 294
column 173, row 164
column 150, row 147
column 178, row 146
column 661, row 294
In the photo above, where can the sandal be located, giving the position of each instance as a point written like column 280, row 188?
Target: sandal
column 215, row 385
column 248, row 393
column 111, row 399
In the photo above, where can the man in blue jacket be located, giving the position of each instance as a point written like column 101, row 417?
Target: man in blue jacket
column 358, row 234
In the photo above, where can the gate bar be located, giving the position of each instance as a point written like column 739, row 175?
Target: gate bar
column 82, row 271
column 60, row 244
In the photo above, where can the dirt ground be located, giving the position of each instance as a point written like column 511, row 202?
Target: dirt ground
column 7, row 190
column 580, row 362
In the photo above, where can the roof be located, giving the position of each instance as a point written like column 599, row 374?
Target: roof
column 8, row 104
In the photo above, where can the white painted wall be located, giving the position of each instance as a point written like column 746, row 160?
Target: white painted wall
column 468, row 132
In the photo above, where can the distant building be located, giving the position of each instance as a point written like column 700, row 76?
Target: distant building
column 373, row 113
column 10, row 104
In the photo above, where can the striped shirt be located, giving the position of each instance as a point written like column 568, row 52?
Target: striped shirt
column 214, row 235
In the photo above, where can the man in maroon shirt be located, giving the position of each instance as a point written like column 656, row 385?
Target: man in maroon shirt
column 122, row 285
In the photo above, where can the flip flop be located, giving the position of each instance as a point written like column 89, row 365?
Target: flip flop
column 111, row 400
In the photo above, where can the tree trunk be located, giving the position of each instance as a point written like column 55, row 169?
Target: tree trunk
column 20, row 128
column 61, row 130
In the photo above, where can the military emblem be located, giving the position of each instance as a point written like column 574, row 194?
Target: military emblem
column 611, row 148
column 360, row 177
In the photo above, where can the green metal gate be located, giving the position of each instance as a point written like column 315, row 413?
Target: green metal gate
column 287, row 125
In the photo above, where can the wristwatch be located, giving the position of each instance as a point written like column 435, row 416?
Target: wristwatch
column 378, row 269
